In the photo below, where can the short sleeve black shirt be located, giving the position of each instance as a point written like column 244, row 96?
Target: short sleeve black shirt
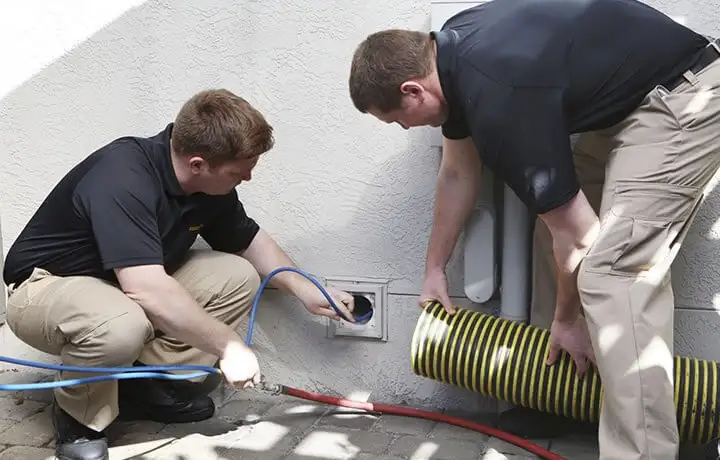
column 123, row 206
column 521, row 76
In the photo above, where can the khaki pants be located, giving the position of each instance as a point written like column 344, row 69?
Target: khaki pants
column 90, row 322
column 646, row 178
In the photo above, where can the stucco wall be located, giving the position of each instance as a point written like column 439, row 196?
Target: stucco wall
column 343, row 194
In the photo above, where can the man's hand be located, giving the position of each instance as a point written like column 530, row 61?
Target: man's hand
column 435, row 287
column 572, row 337
column 240, row 366
column 317, row 304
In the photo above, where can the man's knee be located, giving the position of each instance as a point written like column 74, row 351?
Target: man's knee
column 244, row 275
column 217, row 277
column 116, row 342
column 238, row 277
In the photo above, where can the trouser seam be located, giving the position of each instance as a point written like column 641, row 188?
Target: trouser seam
column 639, row 373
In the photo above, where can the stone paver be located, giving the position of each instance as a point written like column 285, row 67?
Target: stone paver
column 448, row 431
column 492, row 454
column 27, row 453
column 35, row 431
column 17, row 409
column 417, row 447
column 404, row 425
column 348, row 418
column 581, row 447
column 339, row 444
column 245, row 410
column 364, row 456
column 264, row 440
column 504, row 447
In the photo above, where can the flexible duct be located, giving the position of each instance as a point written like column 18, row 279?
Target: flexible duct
column 505, row 360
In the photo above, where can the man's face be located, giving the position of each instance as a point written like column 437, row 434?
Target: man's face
column 221, row 179
column 418, row 108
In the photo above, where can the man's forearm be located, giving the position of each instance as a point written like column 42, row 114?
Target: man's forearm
column 266, row 255
column 172, row 309
column 574, row 228
column 456, row 192
column 454, row 201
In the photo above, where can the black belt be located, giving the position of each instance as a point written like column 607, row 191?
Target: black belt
column 709, row 54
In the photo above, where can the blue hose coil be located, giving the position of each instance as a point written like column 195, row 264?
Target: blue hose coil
column 145, row 372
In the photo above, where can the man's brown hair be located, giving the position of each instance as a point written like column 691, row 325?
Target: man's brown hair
column 221, row 127
column 384, row 61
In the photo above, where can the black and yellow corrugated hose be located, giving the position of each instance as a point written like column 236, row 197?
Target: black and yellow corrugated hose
column 505, row 360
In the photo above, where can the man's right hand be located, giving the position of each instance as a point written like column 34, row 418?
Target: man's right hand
column 573, row 337
column 240, row 366
column 435, row 287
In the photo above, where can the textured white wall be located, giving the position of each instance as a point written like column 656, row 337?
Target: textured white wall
column 344, row 194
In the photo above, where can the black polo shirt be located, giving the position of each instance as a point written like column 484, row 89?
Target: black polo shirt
column 123, row 206
column 521, row 76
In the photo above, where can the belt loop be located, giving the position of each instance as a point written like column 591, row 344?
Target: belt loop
column 690, row 77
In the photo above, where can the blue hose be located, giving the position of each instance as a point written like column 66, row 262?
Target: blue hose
column 159, row 372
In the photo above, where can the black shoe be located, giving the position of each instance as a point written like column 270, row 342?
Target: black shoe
column 164, row 401
column 75, row 441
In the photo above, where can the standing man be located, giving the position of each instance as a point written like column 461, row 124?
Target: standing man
column 104, row 275
column 509, row 82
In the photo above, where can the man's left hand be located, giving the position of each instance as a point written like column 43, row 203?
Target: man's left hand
column 317, row 304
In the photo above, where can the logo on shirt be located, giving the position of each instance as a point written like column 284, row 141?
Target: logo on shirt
column 195, row 228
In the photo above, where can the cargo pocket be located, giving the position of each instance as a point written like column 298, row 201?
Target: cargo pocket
column 653, row 217
column 609, row 246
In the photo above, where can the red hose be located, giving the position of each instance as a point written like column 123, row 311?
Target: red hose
column 409, row 412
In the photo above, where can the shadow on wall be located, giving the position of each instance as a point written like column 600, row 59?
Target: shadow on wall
column 343, row 194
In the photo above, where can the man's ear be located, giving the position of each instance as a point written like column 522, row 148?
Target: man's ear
column 412, row 88
column 197, row 164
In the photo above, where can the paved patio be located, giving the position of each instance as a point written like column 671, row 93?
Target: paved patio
column 253, row 425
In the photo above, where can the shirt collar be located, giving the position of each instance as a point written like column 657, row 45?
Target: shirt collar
column 446, row 60
column 163, row 160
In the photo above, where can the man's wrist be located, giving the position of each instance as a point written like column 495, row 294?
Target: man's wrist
column 434, row 267
column 297, row 285
column 286, row 281
column 568, row 305
column 567, row 313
